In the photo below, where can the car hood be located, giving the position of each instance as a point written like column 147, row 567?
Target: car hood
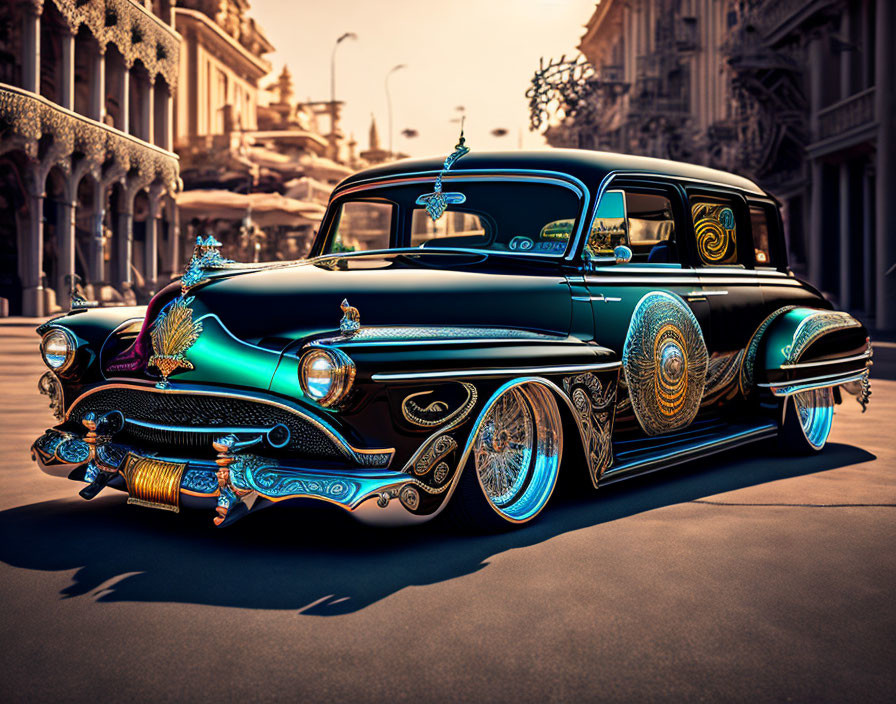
column 302, row 299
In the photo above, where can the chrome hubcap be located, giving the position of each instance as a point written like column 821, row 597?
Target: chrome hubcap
column 815, row 409
column 517, row 451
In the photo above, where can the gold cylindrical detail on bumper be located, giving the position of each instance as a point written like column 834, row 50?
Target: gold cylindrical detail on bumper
column 153, row 483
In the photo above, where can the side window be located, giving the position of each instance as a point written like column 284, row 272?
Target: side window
column 762, row 224
column 715, row 229
column 362, row 226
column 642, row 220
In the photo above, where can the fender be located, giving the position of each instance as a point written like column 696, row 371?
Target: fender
column 795, row 346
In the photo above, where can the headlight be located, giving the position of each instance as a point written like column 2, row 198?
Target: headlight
column 326, row 375
column 58, row 349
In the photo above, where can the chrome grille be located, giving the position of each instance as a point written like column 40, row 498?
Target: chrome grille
column 191, row 420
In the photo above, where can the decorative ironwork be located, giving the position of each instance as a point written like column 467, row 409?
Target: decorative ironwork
column 152, row 482
column 437, row 412
column 814, row 326
column 665, row 362
column 437, row 201
column 593, row 402
column 564, row 85
column 747, row 378
column 351, row 319
column 174, row 333
column 50, row 387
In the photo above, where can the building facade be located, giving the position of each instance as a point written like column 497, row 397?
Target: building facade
column 797, row 94
column 87, row 171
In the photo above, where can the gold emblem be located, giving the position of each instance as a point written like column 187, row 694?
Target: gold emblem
column 174, row 333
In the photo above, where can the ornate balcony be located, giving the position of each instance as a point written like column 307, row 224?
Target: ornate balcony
column 136, row 32
column 26, row 117
column 854, row 112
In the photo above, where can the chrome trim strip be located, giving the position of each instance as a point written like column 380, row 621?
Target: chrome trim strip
column 795, row 387
column 686, row 179
column 460, row 374
column 600, row 297
column 825, row 362
column 656, row 462
column 431, row 341
column 701, row 294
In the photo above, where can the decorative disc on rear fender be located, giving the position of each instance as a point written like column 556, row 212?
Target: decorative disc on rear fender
column 664, row 360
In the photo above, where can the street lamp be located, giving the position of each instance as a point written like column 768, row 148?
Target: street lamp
column 398, row 67
column 347, row 35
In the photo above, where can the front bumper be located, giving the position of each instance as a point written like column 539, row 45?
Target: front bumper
column 231, row 484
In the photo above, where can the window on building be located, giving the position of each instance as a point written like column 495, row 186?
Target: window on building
column 362, row 226
column 715, row 229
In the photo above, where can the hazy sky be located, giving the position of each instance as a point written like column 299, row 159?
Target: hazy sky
column 477, row 53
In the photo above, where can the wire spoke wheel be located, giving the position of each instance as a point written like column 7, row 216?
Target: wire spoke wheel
column 516, row 452
column 807, row 420
column 815, row 409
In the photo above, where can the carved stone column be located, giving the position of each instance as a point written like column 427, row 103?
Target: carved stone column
column 168, row 116
column 33, row 260
column 146, row 120
column 67, row 93
column 65, row 241
column 125, row 240
column 31, row 45
column 816, row 204
column 151, row 255
column 97, row 243
column 844, row 298
column 124, row 109
column 885, row 196
column 98, row 85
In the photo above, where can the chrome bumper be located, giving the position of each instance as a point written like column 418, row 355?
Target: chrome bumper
column 232, row 483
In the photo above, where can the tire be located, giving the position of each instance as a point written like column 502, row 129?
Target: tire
column 806, row 421
column 513, row 463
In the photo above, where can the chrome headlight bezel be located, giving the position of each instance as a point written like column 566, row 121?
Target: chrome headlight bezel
column 341, row 374
column 71, row 347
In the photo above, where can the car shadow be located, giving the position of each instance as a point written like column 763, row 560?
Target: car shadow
column 317, row 560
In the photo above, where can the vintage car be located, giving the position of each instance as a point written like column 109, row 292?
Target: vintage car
column 463, row 332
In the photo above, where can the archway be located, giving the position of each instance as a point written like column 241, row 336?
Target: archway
column 85, row 222
column 12, row 224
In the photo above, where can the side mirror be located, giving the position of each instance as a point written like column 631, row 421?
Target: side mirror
column 623, row 254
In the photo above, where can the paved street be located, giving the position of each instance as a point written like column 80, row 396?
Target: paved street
column 747, row 577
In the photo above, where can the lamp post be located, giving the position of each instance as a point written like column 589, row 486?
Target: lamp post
column 395, row 68
column 347, row 35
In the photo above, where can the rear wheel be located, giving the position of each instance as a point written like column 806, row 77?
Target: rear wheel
column 807, row 419
column 514, row 461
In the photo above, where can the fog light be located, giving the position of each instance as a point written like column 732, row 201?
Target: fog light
column 326, row 375
column 58, row 349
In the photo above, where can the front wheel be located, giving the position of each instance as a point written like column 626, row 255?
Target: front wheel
column 514, row 461
column 806, row 422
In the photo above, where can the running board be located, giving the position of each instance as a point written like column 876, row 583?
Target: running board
column 687, row 449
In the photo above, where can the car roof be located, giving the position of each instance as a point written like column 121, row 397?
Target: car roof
column 586, row 165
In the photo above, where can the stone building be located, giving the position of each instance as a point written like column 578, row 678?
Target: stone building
column 797, row 94
column 87, row 172
column 255, row 167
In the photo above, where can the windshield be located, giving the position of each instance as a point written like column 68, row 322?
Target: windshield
column 519, row 217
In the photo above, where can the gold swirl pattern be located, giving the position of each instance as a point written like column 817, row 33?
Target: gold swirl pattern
column 593, row 402
column 716, row 233
column 665, row 363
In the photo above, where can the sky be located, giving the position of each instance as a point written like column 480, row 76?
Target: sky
column 479, row 54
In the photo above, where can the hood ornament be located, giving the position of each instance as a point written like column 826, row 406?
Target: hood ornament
column 437, row 202
column 351, row 319
column 174, row 333
column 206, row 255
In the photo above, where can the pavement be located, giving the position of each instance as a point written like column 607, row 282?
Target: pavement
column 746, row 577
